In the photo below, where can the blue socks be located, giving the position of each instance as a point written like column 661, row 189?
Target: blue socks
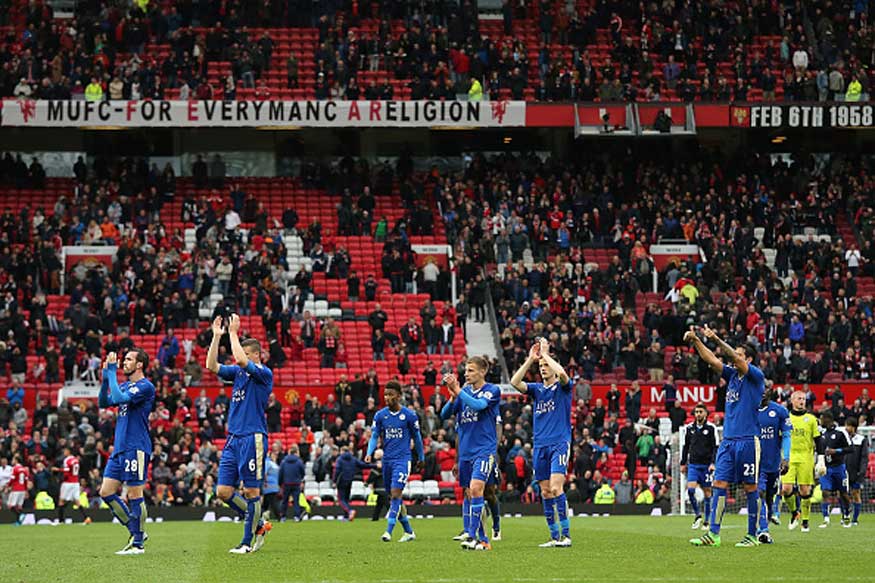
column 858, row 506
column 238, row 504
column 550, row 515
column 253, row 517
column 495, row 511
column 562, row 512
column 405, row 523
column 119, row 509
column 398, row 514
column 753, row 504
column 694, row 504
column 824, row 509
column 706, row 508
column 392, row 516
column 719, row 507
column 466, row 513
column 763, row 514
column 135, row 525
column 475, row 525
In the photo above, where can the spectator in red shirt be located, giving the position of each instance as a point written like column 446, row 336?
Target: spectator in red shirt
column 446, row 459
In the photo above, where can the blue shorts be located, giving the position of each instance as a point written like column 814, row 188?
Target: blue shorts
column 495, row 476
column 130, row 467
column 395, row 474
column 478, row 468
column 701, row 474
column 738, row 461
column 769, row 482
column 243, row 459
column 835, row 479
column 855, row 486
column 550, row 459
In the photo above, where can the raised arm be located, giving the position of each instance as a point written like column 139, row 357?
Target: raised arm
column 551, row 362
column 213, row 352
column 737, row 360
column 476, row 403
column 452, row 384
column 705, row 352
column 116, row 396
column 103, row 395
column 236, row 348
column 516, row 380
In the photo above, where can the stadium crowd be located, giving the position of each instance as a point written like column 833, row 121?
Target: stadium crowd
column 527, row 223
column 499, row 213
column 706, row 51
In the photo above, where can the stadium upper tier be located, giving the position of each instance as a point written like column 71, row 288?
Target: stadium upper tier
column 547, row 51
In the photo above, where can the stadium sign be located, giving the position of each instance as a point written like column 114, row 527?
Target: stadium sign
column 261, row 114
column 665, row 254
column 837, row 115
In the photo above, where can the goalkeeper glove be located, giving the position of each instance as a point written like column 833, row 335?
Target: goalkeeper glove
column 820, row 468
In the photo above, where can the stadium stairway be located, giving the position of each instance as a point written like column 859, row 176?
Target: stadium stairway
column 481, row 338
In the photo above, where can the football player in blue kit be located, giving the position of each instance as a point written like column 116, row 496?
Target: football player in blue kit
column 132, row 446
column 475, row 407
column 551, row 409
column 395, row 426
column 697, row 462
column 738, row 455
column 775, row 431
column 243, row 458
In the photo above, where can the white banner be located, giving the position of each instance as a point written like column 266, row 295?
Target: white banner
column 78, row 391
column 278, row 114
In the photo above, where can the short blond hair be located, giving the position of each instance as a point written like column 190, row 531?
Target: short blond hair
column 480, row 362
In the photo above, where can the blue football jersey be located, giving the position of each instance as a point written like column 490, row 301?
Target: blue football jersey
column 132, row 426
column 552, row 412
column 477, row 434
column 743, row 398
column 774, row 422
column 252, row 387
column 396, row 429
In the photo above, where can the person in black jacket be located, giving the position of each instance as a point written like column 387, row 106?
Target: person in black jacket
column 856, row 462
column 835, row 444
column 291, row 477
column 478, row 298
column 697, row 461
column 375, row 481
column 345, row 470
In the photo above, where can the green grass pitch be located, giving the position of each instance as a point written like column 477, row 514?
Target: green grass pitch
column 605, row 549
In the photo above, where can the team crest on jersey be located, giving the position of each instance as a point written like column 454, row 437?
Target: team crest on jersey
column 401, row 417
column 772, row 413
column 705, row 432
